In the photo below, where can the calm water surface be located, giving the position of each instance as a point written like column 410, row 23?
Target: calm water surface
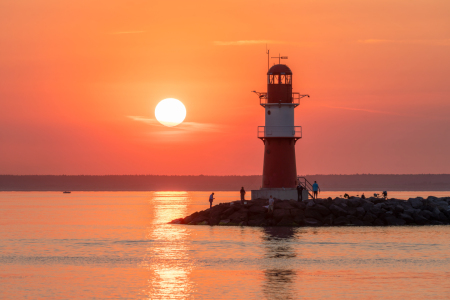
column 118, row 245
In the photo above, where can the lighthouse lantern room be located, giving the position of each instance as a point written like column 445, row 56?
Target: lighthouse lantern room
column 279, row 135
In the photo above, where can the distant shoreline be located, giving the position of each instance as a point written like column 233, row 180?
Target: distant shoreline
column 91, row 183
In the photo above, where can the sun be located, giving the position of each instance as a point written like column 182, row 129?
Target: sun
column 170, row 112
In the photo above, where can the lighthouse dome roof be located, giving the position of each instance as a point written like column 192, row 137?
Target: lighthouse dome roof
column 280, row 69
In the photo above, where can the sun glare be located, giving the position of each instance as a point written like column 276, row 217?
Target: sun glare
column 170, row 112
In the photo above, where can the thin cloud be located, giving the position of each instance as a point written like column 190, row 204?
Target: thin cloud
column 246, row 42
column 127, row 32
column 365, row 110
column 183, row 127
column 424, row 42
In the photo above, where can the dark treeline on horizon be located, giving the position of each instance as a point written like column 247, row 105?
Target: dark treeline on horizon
column 363, row 182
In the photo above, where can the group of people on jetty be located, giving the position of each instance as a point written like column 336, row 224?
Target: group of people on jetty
column 300, row 188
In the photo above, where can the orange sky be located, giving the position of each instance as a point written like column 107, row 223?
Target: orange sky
column 79, row 82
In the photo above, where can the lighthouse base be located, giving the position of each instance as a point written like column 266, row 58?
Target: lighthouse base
column 279, row 194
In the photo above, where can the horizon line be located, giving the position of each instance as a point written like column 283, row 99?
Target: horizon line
column 203, row 175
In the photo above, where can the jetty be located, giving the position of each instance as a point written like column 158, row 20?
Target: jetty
column 325, row 212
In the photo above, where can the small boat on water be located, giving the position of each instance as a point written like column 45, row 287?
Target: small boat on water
column 67, row 192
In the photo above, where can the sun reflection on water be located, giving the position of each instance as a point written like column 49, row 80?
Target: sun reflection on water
column 168, row 258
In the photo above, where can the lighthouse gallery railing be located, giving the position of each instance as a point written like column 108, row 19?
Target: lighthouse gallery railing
column 263, row 101
column 280, row 132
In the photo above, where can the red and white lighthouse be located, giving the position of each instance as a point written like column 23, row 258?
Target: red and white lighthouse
column 279, row 135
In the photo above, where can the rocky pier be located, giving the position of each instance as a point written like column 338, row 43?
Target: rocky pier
column 326, row 212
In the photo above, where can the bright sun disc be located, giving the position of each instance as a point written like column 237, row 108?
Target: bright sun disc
column 170, row 112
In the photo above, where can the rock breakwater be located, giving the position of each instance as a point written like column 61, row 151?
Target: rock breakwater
column 326, row 212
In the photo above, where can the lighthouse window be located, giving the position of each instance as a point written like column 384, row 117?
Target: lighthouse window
column 273, row 79
column 288, row 79
column 282, row 79
column 268, row 112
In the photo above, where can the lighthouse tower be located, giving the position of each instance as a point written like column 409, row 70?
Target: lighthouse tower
column 279, row 135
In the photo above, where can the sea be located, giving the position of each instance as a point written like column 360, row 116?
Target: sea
column 119, row 245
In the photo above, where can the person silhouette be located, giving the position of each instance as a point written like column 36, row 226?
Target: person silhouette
column 299, row 192
column 316, row 189
column 242, row 191
column 211, row 199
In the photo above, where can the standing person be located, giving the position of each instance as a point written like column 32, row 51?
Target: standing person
column 299, row 192
column 316, row 189
column 211, row 199
column 271, row 202
column 242, row 191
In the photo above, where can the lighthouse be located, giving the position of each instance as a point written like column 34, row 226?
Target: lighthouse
column 279, row 135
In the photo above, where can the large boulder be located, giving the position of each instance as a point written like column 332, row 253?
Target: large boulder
column 426, row 214
column 342, row 202
column 393, row 221
column 328, row 220
column 323, row 202
column 398, row 209
column 355, row 221
column 281, row 213
column 215, row 214
column 408, row 218
column 282, row 204
column 442, row 205
column 301, row 205
column 411, row 211
column 446, row 213
column 378, row 200
column 338, row 211
column 229, row 211
column 299, row 219
column 432, row 198
column 296, row 212
column 436, row 210
column 239, row 216
column 406, row 205
column 256, row 209
column 367, row 205
column 378, row 222
column 341, row 221
column 416, row 202
column 419, row 219
column 310, row 203
column 199, row 219
column 351, row 211
column 369, row 217
column 295, row 203
column 311, row 212
column 376, row 210
column 323, row 210
column 360, row 212
column 355, row 202
column 443, row 218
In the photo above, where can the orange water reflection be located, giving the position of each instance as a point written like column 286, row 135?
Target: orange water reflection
column 117, row 245
column 168, row 258
column 279, row 275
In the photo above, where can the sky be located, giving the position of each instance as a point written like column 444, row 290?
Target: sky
column 80, row 80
